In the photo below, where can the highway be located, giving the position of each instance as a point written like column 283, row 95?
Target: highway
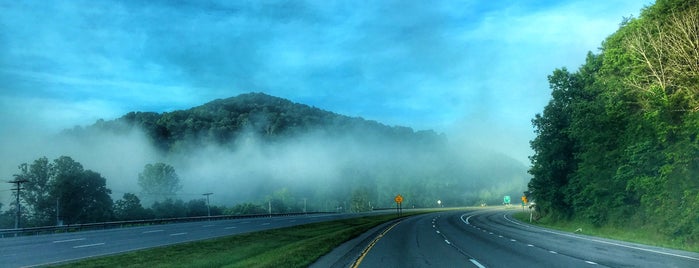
column 491, row 238
column 64, row 247
column 457, row 238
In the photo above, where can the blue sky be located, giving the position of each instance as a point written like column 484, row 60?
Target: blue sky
column 473, row 69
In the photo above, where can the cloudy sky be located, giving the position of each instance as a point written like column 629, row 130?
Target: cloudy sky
column 474, row 69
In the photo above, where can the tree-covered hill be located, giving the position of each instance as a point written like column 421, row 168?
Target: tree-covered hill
column 617, row 143
column 260, row 144
column 223, row 121
column 252, row 153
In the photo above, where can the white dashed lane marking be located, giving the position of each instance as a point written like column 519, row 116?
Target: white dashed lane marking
column 90, row 245
column 68, row 240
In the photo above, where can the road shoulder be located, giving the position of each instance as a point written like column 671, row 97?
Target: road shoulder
column 345, row 254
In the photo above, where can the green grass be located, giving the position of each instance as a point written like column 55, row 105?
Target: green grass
column 641, row 235
column 297, row 246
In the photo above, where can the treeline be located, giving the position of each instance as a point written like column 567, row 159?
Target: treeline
column 617, row 143
column 62, row 192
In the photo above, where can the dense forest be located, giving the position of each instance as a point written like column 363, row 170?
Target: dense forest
column 617, row 143
column 253, row 152
column 224, row 121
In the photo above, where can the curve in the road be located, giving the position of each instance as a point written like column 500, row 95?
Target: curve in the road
column 491, row 238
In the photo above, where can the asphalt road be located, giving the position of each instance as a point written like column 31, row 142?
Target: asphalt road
column 57, row 248
column 491, row 238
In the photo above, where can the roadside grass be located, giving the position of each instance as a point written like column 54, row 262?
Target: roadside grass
column 641, row 235
column 297, row 246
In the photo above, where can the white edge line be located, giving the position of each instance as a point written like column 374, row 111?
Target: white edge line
column 602, row 241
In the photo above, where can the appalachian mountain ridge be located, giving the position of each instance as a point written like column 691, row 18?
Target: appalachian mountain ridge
column 306, row 151
column 223, row 121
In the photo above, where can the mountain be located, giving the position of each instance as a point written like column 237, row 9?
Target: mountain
column 224, row 121
column 255, row 148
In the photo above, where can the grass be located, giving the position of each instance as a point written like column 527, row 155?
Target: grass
column 297, row 246
column 642, row 235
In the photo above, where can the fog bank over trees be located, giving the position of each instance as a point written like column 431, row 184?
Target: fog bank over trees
column 255, row 149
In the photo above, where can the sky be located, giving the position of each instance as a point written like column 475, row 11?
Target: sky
column 475, row 70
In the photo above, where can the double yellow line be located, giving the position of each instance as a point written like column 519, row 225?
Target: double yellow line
column 371, row 245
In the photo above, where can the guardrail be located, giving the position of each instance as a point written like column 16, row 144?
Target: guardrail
column 121, row 224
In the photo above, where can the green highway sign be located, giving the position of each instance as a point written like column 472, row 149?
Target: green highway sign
column 506, row 199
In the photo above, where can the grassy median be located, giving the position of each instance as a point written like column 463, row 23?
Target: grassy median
column 297, row 246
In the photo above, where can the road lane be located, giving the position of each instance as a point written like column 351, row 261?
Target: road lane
column 413, row 243
column 491, row 238
column 63, row 247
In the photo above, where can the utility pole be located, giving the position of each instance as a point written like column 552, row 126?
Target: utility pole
column 208, row 208
column 18, row 183
column 58, row 211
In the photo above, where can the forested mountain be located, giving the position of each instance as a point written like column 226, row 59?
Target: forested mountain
column 617, row 143
column 271, row 118
column 251, row 153
column 263, row 145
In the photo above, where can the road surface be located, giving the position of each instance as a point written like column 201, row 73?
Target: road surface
column 491, row 238
column 57, row 248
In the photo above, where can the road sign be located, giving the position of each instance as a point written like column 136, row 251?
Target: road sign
column 398, row 199
column 506, row 199
column 524, row 199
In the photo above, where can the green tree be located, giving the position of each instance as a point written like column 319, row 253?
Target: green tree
column 169, row 208
column 553, row 161
column 196, row 207
column 129, row 208
column 159, row 181
column 40, row 205
column 82, row 195
column 63, row 189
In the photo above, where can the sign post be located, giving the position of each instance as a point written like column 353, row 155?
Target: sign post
column 399, row 202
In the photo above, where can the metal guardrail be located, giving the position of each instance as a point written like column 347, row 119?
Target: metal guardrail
column 121, row 224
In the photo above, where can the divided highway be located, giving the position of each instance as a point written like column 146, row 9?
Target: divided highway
column 459, row 238
column 55, row 248
column 491, row 238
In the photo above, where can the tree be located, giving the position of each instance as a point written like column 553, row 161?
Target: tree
column 282, row 201
column 82, row 195
column 169, row 208
column 197, row 207
column 62, row 189
column 41, row 206
column 665, row 54
column 553, row 160
column 159, row 181
column 129, row 208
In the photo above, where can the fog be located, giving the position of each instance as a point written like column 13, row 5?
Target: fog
column 321, row 168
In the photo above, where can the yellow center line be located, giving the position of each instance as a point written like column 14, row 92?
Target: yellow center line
column 371, row 245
